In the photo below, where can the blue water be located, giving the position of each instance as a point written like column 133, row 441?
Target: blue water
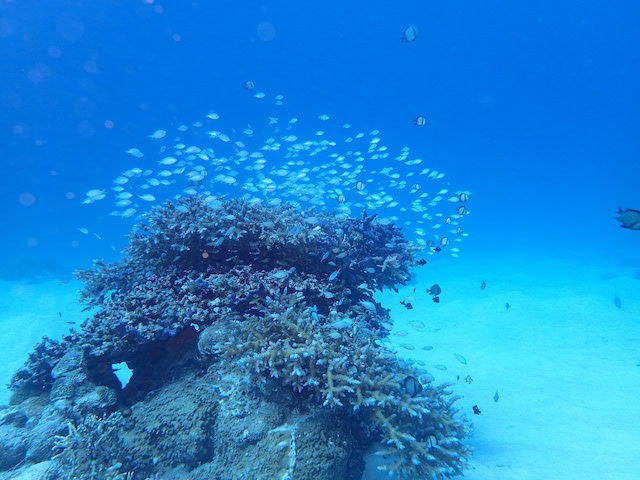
column 534, row 108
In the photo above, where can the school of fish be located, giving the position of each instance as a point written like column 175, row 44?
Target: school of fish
column 282, row 158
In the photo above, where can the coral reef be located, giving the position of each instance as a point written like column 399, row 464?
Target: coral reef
column 257, row 349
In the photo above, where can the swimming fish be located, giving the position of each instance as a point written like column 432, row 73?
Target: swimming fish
column 410, row 34
column 617, row 302
column 460, row 358
column 483, row 285
column 248, row 85
column 507, row 306
column 435, row 290
column 496, row 397
column 420, row 121
column 412, row 386
column 407, row 305
column 629, row 218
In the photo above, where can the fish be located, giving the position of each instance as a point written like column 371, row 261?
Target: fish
column 476, row 410
column 407, row 305
column 410, row 34
column 412, row 386
column 483, row 285
column 460, row 358
column 426, row 348
column 629, row 218
column 435, row 290
column 507, row 306
column 496, row 397
column 134, row 152
column 292, row 165
column 341, row 323
column 421, row 122
column 158, row 134
column 617, row 302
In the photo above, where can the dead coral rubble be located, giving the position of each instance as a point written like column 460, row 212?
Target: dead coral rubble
column 239, row 321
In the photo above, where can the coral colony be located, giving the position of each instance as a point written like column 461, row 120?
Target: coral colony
column 257, row 350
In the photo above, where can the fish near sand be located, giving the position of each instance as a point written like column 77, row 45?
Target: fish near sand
column 629, row 218
column 617, row 302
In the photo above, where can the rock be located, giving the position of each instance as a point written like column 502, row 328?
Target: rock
column 13, row 446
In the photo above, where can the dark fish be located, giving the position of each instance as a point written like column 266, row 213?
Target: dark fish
column 476, row 410
column 410, row 34
column 436, row 299
column 407, row 305
column 412, row 386
column 507, row 306
column 71, row 323
column 629, row 218
column 435, row 290
column 496, row 397
column 617, row 302
column 483, row 285
column 60, row 314
column 421, row 262
column 468, row 379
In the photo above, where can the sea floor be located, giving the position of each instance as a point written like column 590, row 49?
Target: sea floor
column 564, row 359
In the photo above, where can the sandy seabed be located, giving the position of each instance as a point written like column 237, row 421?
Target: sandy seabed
column 563, row 358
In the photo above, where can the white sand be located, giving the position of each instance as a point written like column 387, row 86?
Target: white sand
column 563, row 358
column 29, row 311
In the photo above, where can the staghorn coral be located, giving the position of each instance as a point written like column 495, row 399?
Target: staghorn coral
column 275, row 296
column 83, row 453
column 290, row 341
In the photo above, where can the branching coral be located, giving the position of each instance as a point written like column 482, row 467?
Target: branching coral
column 289, row 341
column 278, row 295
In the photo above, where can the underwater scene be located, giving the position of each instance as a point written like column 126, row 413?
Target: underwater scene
column 278, row 240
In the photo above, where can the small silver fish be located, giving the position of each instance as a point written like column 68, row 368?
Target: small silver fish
column 460, row 358
column 410, row 34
